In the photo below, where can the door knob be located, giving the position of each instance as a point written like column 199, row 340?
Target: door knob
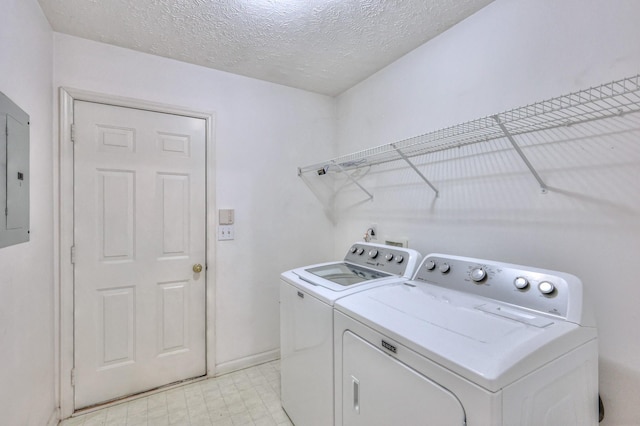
column 197, row 268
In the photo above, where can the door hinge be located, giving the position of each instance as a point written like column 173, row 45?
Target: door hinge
column 73, row 132
column 73, row 377
column 73, row 254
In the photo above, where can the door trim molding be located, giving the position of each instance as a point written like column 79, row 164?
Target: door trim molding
column 63, row 230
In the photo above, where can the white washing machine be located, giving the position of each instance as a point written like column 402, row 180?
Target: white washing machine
column 467, row 342
column 307, row 296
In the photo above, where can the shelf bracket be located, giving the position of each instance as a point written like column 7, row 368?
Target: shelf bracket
column 543, row 186
column 415, row 169
column 342, row 170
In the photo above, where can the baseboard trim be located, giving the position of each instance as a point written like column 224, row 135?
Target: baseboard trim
column 54, row 418
column 246, row 362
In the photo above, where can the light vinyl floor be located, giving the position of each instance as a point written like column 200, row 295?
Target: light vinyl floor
column 245, row 397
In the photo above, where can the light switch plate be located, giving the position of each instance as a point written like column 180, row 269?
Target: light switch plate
column 226, row 232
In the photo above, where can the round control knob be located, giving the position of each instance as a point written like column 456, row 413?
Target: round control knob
column 389, row 256
column 360, row 250
column 353, row 249
column 430, row 265
column 444, row 268
column 399, row 258
column 478, row 274
column 546, row 287
column 373, row 253
column 521, row 283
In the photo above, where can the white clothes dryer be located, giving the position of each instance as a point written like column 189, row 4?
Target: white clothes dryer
column 307, row 296
column 467, row 342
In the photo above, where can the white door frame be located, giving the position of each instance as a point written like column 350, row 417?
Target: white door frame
column 63, row 231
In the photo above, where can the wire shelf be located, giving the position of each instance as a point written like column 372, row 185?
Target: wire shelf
column 605, row 101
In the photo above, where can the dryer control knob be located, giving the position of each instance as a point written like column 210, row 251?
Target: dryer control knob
column 546, row 287
column 430, row 265
column 389, row 256
column 360, row 250
column 373, row 253
column 444, row 268
column 521, row 283
column 478, row 274
column 353, row 249
column 399, row 258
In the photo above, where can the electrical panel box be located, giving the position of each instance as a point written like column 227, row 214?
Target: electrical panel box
column 14, row 173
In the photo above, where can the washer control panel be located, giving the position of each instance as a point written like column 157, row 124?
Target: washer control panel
column 392, row 260
column 532, row 288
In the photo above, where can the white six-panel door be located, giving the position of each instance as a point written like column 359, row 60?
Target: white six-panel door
column 139, row 229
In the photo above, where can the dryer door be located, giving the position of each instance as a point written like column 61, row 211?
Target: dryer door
column 374, row 385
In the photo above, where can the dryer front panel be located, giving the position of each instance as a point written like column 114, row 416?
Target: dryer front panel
column 375, row 384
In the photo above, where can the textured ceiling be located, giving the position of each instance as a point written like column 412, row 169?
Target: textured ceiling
column 324, row 46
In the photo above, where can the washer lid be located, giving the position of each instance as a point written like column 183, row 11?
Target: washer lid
column 337, row 277
column 328, row 291
column 489, row 343
column 345, row 274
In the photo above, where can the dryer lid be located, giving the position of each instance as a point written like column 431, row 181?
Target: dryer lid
column 489, row 343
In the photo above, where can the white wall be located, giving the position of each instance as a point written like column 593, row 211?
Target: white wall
column 26, row 270
column 512, row 53
column 263, row 132
column 509, row 54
